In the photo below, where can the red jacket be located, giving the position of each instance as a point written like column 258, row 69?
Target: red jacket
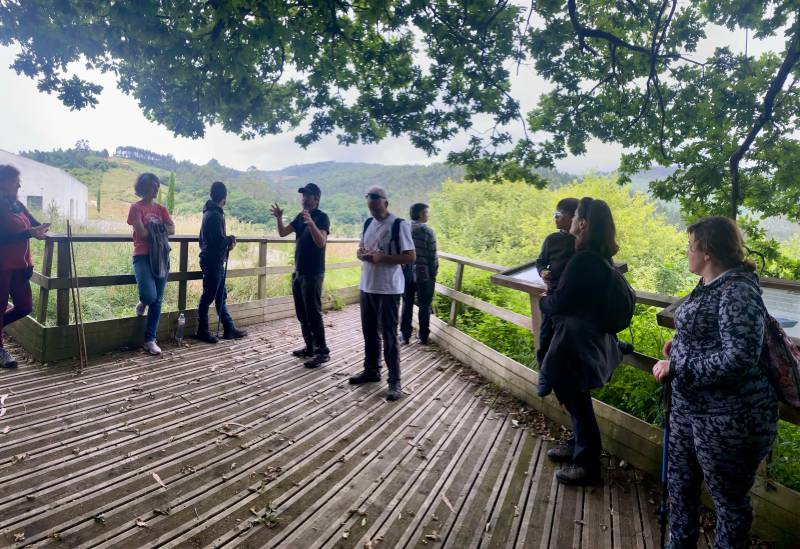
column 15, row 224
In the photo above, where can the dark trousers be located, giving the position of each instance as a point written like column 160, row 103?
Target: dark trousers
column 423, row 292
column 585, row 439
column 379, row 321
column 307, row 293
column 724, row 451
column 14, row 284
column 213, row 292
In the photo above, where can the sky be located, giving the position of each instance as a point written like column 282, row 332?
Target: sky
column 34, row 120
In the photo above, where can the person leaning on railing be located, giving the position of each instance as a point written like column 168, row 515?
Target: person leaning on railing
column 724, row 409
column 582, row 355
column 17, row 227
column 145, row 216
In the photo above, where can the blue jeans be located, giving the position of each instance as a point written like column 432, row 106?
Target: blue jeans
column 151, row 293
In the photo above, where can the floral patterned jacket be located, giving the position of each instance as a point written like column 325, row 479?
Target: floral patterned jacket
column 715, row 362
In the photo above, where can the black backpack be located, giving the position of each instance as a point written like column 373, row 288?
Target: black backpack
column 618, row 304
column 395, row 238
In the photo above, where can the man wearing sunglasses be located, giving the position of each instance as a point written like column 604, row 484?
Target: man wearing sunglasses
column 386, row 245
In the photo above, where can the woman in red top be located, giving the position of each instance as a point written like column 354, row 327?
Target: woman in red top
column 17, row 226
column 151, row 288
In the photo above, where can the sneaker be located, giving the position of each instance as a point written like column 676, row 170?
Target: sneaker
column 365, row 377
column 394, row 392
column 205, row 335
column 575, row 475
column 405, row 340
column 317, row 361
column 140, row 307
column 303, row 352
column 234, row 333
column 561, row 454
column 151, row 347
column 6, row 360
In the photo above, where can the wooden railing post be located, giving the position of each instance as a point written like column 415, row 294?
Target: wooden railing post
column 63, row 273
column 536, row 318
column 44, row 292
column 183, row 267
column 262, row 278
column 454, row 306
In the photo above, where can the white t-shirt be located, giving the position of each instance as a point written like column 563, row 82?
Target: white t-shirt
column 383, row 278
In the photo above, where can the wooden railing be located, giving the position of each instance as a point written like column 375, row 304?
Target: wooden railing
column 636, row 359
column 58, row 245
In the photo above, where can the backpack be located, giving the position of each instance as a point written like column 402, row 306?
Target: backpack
column 782, row 360
column 618, row 304
column 395, row 238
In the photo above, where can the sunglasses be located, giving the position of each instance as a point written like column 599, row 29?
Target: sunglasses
column 373, row 196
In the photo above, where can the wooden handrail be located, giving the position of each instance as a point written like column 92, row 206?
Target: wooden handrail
column 111, row 238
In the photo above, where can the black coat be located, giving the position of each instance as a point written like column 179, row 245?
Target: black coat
column 581, row 356
column 214, row 242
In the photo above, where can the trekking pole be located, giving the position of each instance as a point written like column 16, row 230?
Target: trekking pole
column 663, row 511
column 224, row 281
column 76, row 302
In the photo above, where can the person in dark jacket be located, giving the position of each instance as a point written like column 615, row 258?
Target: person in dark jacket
column 311, row 227
column 724, row 408
column 582, row 356
column 17, row 227
column 420, row 276
column 557, row 249
column 215, row 245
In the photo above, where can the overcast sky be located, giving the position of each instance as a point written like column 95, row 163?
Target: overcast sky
column 33, row 120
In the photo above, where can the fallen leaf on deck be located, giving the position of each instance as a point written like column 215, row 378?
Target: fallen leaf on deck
column 19, row 536
column 158, row 480
column 141, row 523
column 6, row 429
column 447, row 502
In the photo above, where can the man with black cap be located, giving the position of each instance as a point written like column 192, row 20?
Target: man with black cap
column 311, row 228
column 214, row 247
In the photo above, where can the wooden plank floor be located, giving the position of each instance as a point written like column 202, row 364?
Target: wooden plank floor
column 238, row 445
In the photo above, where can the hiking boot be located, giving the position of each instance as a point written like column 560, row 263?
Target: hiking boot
column 575, row 475
column 625, row 347
column 394, row 392
column 365, row 377
column 317, row 361
column 561, row 454
column 140, row 307
column 6, row 360
column 152, row 347
column 205, row 335
column 233, row 333
column 303, row 352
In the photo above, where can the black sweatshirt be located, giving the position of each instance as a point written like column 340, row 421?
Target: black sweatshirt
column 214, row 242
column 557, row 249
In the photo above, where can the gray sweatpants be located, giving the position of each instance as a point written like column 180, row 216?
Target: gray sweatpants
column 725, row 451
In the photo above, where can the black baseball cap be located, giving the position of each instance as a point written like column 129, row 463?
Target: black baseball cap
column 311, row 189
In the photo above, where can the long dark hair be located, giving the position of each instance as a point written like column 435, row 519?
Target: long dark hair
column 601, row 233
column 719, row 237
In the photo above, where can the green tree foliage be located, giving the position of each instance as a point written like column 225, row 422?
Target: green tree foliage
column 626, row 72
column 171, row 193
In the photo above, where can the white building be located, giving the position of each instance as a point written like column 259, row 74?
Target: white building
column 43, row 186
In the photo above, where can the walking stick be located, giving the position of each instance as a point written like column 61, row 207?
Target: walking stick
column 76, row 302
column 663, row 511
column 224, row 281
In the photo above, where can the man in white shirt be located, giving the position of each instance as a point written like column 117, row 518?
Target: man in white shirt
column 386, row 245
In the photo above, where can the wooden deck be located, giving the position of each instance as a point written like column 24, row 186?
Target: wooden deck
column 238, row 445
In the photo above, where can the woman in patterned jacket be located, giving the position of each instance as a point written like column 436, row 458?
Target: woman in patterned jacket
column 724, row 409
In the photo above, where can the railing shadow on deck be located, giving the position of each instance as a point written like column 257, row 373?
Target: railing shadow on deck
column 777, row 508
